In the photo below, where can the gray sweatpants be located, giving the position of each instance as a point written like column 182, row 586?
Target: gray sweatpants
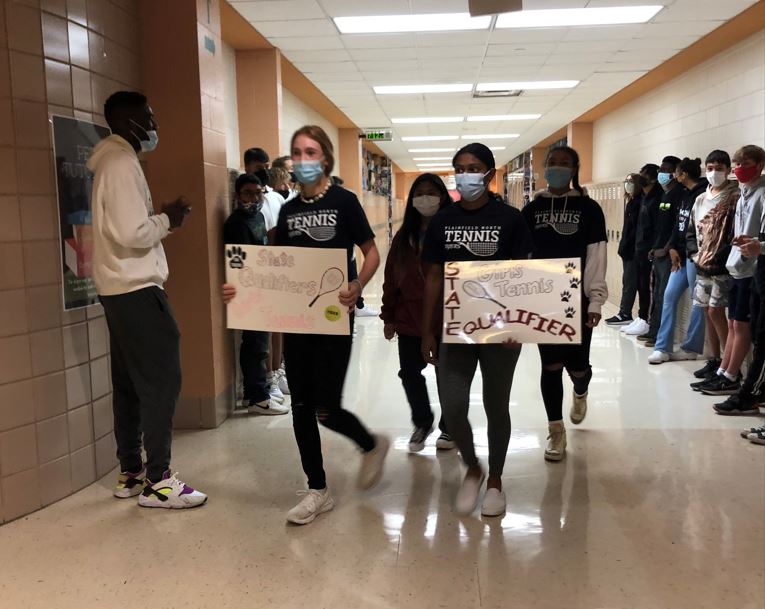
column 457, row 365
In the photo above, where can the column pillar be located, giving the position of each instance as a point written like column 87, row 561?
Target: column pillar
column 259, row 100
column 349, row 159
column 580, row 138
column 185, row 90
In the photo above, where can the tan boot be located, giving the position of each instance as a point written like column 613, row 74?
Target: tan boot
column 556, row 442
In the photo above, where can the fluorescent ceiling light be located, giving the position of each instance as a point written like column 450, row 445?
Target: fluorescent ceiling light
column 384, row 24
column 413, row 89
column 503, row 117
column 432, row 158
column 539, row 84
column 491, row 136
column 426, row 119
column 569, row 17
column 497, row 147
column 430, row 138
column 452, row 149
column 433, row 165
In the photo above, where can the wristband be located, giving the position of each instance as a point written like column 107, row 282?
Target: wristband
column 361, row 287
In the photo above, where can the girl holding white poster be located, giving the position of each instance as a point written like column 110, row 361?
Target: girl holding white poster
column 324, row 215
column 566, row 223
column 402, row 302
column 479, row 227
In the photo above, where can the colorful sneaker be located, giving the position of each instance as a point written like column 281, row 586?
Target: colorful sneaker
column 419, row 436
column 266, row 407
column 735, row 405
column 578, row 408
column 445, row 442
column 313, row 503
column 170, row 493
column 130, row 484
column 710, row 368
column 556, row 442
column 373, row 462
column 620, row 319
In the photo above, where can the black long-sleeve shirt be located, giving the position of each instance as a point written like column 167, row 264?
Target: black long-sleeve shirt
column 684, row 211
column 666, row 218
column 629, row 227
column 647, row 218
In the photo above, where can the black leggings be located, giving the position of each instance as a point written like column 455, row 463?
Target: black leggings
column 644, row 270
column 316, row 366
column 412, row 365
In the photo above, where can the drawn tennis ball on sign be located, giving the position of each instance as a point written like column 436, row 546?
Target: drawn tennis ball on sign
column 332, row 313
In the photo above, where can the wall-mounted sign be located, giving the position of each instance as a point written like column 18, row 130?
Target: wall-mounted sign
column 377, row 135
column 73, row 141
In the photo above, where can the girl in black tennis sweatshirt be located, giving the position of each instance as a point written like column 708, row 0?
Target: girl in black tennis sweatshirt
column 566, row 223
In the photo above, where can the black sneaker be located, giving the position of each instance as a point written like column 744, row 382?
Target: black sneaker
column 445, row 442
column 721, row 386
column 619, row 320
column 645, row 338
column 709, row 368
column 737, row 405
column 417, row 441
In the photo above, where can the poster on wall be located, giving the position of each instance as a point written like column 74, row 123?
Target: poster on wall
column 287, row 289
column 73, row 141
column 529, row 301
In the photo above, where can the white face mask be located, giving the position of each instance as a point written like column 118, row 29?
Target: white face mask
column 716, row 178
column 629, row 188
column 427, row 205
column 151, row 143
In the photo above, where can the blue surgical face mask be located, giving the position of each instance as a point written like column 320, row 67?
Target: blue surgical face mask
column 470, row 185
column 151, row 143
column 558, row 177
column 665, row 178
column 308, row 172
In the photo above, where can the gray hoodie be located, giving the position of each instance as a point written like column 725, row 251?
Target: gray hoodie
column 749, row 221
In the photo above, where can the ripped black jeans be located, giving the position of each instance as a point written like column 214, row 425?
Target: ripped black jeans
column 316, row 366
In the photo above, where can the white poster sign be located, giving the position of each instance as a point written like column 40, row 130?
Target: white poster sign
column 287, row 289
column 529, row 301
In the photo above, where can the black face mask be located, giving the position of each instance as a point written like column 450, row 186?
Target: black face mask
column 284, row 193
column 293, row 177
column 262, row 175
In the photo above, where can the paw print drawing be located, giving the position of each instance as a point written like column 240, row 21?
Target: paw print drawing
column 565, row 296
column 574, row 283
column 570, row 312
column 570, row 267
column 236, row 257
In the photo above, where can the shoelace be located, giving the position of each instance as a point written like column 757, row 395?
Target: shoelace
column 313, row 495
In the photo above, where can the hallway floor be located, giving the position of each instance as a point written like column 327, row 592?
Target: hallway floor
column 659, row 505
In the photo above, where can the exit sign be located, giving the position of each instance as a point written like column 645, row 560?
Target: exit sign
column 377, row 135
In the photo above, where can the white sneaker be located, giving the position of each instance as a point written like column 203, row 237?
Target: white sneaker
column 310, row 506
column 683, row 356
column 373, row 462
column 273, row 387
column 445, row 442
column 367, row 311
column 281, row 382
column 640, row 328
column 629, row 326
column 556, row 441
column 267, row 407
column 171, row 493
column 658, row 357
column 494, row 503
column 467, row 496
column 130, row 485
column 578, row 408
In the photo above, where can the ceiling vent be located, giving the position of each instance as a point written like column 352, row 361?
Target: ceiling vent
column 498, row 93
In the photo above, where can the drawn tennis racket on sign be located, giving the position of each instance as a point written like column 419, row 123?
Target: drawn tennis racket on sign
column 476, row 290
column 319, row 233
column 331, row 281
column 481, row 248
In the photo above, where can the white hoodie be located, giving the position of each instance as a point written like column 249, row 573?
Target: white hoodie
column 127, row 236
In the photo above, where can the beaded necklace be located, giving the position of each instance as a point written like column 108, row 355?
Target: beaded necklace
column 317, row 197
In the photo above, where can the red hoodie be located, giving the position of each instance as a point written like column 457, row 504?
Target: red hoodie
column 404, row 291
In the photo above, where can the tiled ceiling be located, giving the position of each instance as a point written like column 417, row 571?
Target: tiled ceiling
column 346, row 66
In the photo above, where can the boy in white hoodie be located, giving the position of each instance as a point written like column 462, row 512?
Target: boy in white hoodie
column 129, row 270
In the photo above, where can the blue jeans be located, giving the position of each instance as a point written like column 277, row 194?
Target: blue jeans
column 679, row 282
